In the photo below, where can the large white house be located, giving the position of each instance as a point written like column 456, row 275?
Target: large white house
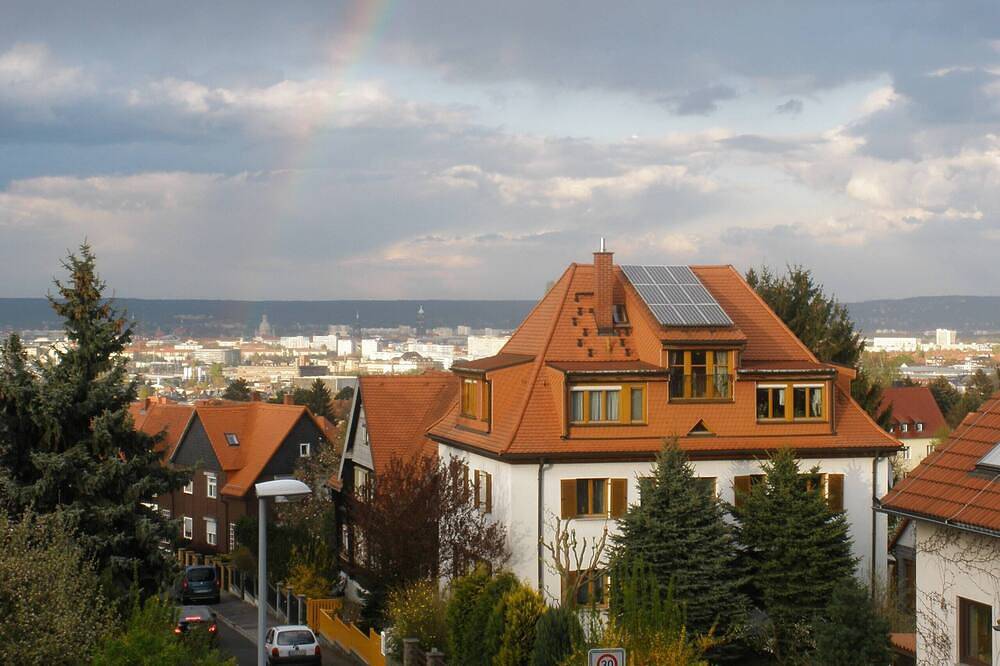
column 948, row 552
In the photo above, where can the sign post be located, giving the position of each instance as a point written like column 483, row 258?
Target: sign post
column 606, row 657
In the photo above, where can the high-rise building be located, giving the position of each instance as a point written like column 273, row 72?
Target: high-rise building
column 945, row 337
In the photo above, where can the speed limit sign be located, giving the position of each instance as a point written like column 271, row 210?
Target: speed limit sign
column 606, row 657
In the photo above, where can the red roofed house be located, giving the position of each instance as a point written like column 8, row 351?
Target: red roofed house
column 952, row 503
column 567, row 418
column 389, row 417
column 916, row 419
column 159, row 415
column 230, row 446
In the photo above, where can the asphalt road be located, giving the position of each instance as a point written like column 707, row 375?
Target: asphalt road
column 233, row 644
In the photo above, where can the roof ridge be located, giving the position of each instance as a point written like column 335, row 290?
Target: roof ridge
column 772, row 313
column 539, row 361
column 572, row 267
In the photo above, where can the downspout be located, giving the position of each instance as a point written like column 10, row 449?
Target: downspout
column 541, row 527
column 875, row 502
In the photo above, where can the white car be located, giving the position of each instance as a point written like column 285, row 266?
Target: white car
column 292, row 644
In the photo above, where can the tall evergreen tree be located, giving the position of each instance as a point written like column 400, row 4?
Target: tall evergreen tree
column 678, row 530
column 795, row 549
column 238, row 390
column 945, row 395
column 850, row 632
column 318, row 398
column 67, row 442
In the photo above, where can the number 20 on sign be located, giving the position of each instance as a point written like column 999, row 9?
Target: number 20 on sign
column 606, row 657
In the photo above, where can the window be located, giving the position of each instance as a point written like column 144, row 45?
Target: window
column 975, row 629
column 742, row 485
column 707, row 483
column 808, row 402
column 592, row 587
column 592, row 498
column 232, row 537
column 829, row 486
column 304, row 449
column 919, row 426
column 232, row 439
column 483, row 491
column 360, row 546
column 618, row 315
column 189, row 487
column 904, row 453
column 603, row 404
column 165, row 513
column 701, row 374
column 903, row 427
column 362, row 483
column 930, row 448
column 211, row 535
column 188, row 527
column 211, row 485
column 476, row 399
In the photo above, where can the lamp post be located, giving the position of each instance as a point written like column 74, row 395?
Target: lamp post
column 282, row 490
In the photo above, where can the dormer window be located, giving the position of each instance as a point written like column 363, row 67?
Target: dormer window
column 618, row 314
column 699, row 374
column 476, row 399
column 808, row 402
column 232, row 439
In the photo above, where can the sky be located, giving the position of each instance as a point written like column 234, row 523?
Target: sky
column 466, row 149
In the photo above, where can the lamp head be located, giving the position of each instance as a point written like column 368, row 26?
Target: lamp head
column 282, row 490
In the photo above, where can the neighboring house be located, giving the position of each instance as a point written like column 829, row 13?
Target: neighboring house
column 916, row 419
column 160, row 415
column 565, row 421
column 230, row 446
column 388, row 419
column 952, row 504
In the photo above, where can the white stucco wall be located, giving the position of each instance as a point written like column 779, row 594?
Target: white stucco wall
column 515, row 502
column 951, row 564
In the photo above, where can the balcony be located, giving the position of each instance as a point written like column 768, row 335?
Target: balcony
column 700, row 386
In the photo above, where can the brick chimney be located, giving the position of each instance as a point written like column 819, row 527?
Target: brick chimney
column 604, row 283
column 288, row 399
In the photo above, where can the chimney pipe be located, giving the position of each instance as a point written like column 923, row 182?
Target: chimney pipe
column 604, row 281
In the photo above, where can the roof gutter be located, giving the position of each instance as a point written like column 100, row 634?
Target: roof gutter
column 944, row 522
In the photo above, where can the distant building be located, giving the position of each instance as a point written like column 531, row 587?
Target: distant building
column 294, row 341
column 328, row 342
column 945, row 338
column 370, row 347
column 264, row 329
column 481, row 346
column 225, row 356
column 421, row 321
column 463, row 330
column 895, row 344
column 916, row 417
column 345, row 347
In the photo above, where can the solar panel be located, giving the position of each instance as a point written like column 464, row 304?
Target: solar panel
column 676, row 296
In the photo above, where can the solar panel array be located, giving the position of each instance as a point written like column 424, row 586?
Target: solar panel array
column 676, row 296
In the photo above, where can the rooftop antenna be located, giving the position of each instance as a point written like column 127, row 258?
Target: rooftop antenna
column 602, row 244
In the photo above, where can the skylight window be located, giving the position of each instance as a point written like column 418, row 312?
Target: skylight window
column 232, row 439
column 991, row 461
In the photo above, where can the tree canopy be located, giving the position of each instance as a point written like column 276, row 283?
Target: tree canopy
column 239, row 390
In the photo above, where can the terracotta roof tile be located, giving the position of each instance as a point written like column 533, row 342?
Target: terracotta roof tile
column 913, row 404
column 944, row 487
column 153, row 417
column 400, row 408
column 501, row 360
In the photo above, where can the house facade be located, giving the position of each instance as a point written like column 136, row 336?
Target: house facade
column 950, row 505
column 915, row 421
column 228, row 447
column 565, row 421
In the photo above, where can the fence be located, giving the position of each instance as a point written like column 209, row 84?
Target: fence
column 314, row 606
column 367, row 648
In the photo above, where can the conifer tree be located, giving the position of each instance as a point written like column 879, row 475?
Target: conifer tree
column 795, row 549
column 850, row 632
column 318, row 398
column 67, row 442
column 238, row 390
column 678, row 530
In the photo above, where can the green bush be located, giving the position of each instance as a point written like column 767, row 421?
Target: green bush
column 557, row 634
column 148, row 639
column 522, row 607
column 486, row 622
column 464, row 636
column 417, row 611
column 851, row 632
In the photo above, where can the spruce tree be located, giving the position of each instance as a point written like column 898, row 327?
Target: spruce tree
column 318, row 399
column 850, row 631
column 67, row 441
column 238, row 390
column 795, row 549
column 678, row 530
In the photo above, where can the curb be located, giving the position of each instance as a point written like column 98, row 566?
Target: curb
column 249, row 635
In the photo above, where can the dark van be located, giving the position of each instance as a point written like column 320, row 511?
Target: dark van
column 199, row 583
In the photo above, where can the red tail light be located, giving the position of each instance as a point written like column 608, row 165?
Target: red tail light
column 218, row 582
column 177, row 630
column 318, row 653
column 274, row 652
column 184, row 584
column 213, row 628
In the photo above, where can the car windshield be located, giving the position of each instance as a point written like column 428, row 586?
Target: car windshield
column 200, row 575
column 296, row 637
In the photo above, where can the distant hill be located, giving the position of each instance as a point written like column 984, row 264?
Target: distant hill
column 209, row 318
column 967, row 314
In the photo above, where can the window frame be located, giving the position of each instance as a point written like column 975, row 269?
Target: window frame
column 189, row 487
column 595, row 578
column 625, row 393
column 211, row 535
column 232, row 439
column 187, row 527
column 211, row 485
column 964, row 631
column 904, row 453
column 232, row 536
column 483, row 491
column 305, row 452
column 476, row 399
column 590, row 484
column 686, row 364
column 789, row 407
column 364, row 492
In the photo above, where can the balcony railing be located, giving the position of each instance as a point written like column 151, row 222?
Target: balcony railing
column 700, row 386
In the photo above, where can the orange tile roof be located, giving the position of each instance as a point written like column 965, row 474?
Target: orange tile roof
column 945, row 487
column 400, row 408
column 913, row 404
column 496, row 362
column 905, row 643
column 560, row 333
column 154, row 416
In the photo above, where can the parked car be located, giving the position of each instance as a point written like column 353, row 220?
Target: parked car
column 193, row 620
column 199, row 583
column 292, row 644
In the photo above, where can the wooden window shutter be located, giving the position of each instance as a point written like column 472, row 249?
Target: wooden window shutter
column 619, row 497
column 741, row 487
column 476, row 489
column 489, row 492
column 835, row 492
column 568, row 487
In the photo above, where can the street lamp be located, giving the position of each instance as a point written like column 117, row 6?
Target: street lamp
column 282, row 490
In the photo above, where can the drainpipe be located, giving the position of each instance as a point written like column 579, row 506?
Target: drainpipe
column 875, row 501
column 541, row 527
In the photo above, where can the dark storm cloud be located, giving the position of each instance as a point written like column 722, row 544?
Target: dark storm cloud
column 700, row 102
column 792, row 107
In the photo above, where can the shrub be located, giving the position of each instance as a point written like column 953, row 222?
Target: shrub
column 487, row 619
column 851, row 632
column 417, row 611
column 557, row 634
column 464, row 636
column 521, row 609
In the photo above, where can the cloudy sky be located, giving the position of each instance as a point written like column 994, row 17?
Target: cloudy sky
column 465, row 149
